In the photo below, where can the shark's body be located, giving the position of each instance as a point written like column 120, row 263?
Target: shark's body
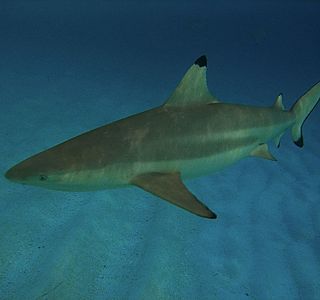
column 192, row 134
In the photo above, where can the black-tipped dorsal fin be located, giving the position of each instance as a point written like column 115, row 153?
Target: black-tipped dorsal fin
column 278, row 103
column 192, row 89
column 169, row 187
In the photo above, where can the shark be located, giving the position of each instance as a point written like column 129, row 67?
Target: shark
column 193, row 133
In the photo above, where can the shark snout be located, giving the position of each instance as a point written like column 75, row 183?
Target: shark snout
column 34, row 170
column 16, row 173
column 22, row 172
column 10, row 174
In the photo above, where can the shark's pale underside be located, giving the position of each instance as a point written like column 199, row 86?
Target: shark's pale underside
column 191, row 134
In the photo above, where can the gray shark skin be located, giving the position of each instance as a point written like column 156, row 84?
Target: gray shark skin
column 192, row 134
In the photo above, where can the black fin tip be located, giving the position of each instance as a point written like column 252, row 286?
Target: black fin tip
column 299, row 142
column 201, row 61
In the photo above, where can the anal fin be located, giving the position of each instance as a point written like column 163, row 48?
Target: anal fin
column 263, row 151
column 277, row 140
column 169, row 187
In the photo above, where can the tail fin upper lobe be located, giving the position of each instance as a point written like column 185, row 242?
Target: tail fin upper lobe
column 302, row 109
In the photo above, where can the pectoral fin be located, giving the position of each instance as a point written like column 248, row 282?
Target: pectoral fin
column 169, row 186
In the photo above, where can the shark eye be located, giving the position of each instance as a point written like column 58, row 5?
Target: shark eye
column 43, row 177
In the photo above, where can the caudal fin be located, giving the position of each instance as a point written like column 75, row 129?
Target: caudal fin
column 302, row 109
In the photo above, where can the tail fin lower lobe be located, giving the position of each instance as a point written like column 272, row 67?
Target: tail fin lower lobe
column 302, row 109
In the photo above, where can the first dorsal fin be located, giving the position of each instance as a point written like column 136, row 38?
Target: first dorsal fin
column 192, row 89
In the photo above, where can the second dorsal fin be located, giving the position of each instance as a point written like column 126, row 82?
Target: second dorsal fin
column 192, row 89
column 278, row 103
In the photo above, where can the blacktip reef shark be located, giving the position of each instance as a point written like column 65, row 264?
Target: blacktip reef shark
column 191, row 134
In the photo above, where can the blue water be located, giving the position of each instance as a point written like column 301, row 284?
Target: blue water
column 70, row 66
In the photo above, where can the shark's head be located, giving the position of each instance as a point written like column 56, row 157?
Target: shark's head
column 42, row 170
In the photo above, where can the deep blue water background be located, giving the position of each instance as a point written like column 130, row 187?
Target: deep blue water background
column 69, row 67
